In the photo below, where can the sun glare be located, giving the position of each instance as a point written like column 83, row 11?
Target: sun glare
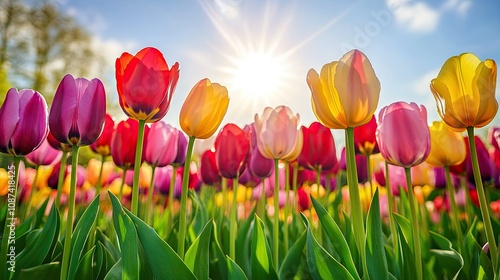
column 258, row 75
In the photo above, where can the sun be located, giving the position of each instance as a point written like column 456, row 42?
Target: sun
column 258, row 75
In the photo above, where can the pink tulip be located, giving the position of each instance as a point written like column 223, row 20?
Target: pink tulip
column 403, row 135
column 276, row 132
column 23, row 122
column 160, row 149
column 44, row 155
column 77, row 113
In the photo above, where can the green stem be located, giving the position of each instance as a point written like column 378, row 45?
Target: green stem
column 71, row 208
column 11, row 198
column 120, row 193
column 234, row 223
column 454, row 209
column 287, row 208
column 171, row 191
column 99, row 185
column 32, row 193
column 149, row 206
column 224, row 196
column 415, row 226
column 137, row 167
column 295, row 177
column 490, row 236
column 60, row 180
column 262, row 199
column 184, row 193
column 276, row 215
column 318, row 186
column 356, row 212
column 390, row 203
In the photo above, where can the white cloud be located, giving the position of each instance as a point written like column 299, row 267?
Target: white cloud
column 421, row 86
column 418, row 16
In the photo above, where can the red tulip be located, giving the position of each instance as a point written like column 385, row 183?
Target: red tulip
column 102, row 144
column 145, row 84
column 78, row 110
column 318, row 151
column 44, row 155
column 231, row 151
column 209, row 172
column 365, row 140
column 123, row 143
column 160, row 149
column 23, row 122
column 403, row 135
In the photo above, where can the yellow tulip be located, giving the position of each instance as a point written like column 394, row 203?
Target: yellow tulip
column 203, row 110
column 93, row 169
column 346, row 93
column 465, row 91
column 447, row 146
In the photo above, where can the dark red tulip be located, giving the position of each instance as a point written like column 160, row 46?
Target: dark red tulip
column 231, row 151
column 145, row 84
column 102, row 144
column 365, row 140
column 77, row 113
column 209, row 172
column 124, row 141
column 318, row 151
column 23, row 122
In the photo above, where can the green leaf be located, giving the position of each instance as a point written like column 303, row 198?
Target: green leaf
column 39, row 243
column 158, row 252
column 262, row 262
column 336, row 237
column 218, row 269
column 85, row 269
column 235, row 272
column 115, row 272
column 406, row 260
column 81, row 234
column 375, row 252
column 289, row 266
column 201, row 216
column 197, row 256
column 447, row 258
column 44, row 271
column 471, row 253
column 243, row 243
column 127, row 237
column 405, row 226
column 321, row 264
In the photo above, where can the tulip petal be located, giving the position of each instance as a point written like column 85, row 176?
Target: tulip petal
column 9, row 117
column 91, row 110
column 63, row 112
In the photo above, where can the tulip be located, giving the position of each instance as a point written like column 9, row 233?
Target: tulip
column 278, row 138
column 464, row 91
column 203, row 110
column 200, row 116
column 318, row 152
column 123, row 143
column 365, row 140
column 208, row 169
column 23, row 113
column 44, row 155
column 102, row 144
column 162, row 179
column 76, row 118
column 494, row 136
column 159, row 150
column 23, row 119
column 346, row 92
column 182, row 143
column 145, row 84
column 486, row 163
column 404, row 140
column 231, row 152
column 447, row 146
column 403, row 135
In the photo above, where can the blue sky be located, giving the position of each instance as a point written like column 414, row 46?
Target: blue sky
column 224, row 40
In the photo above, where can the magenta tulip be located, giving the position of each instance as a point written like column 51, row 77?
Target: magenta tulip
column 182, row 144
column 23, row 122
column 78, row 110
column 258, row 164
column 44, row 155
column 160, row 149
column 403, row 135
column 231, row 151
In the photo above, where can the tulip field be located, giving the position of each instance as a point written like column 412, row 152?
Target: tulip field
column 274, row 199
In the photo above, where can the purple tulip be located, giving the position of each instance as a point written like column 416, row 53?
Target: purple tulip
column 403, row 135
column 182, row 143
column 258, row 165
column 160, row 149
column 163, row 175
column 78, row 111
column 23, row 122
column 44, row 155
